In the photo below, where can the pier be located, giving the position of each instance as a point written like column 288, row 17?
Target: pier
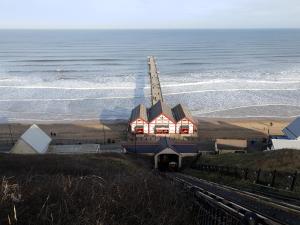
column 156, row 94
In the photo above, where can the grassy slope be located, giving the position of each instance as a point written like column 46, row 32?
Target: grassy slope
column 87, row 189
column 286, row 160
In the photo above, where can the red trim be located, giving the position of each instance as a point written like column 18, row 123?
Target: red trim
column 139, row 130
column 139, row 119
column 162, row 131
column 165, row 116
column 187, row 120
column 184, row 131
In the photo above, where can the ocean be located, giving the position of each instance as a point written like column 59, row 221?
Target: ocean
column 61, row 75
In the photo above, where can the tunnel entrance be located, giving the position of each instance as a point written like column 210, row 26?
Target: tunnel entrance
column 168, row 162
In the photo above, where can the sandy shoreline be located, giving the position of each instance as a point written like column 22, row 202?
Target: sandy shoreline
column 115, row 130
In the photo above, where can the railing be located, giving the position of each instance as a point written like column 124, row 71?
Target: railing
column 276, row 179
column 156, row 93
column 209, row 214
column 209, row 211
column 108, row 143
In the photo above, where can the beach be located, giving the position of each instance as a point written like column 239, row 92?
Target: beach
column 241, row 128
column 81, row 89
column 81, row 132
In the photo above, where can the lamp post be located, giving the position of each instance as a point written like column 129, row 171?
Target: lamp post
column 103, row 130
column 10, row 134
column 135, row 142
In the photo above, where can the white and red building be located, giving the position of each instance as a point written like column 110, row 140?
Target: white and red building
column 139, row 120
column 160, row 119
column 185, row 124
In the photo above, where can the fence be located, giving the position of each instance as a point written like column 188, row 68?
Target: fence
column 57, row 141
column 109, row 143
column 208, row 211
column 275, row 179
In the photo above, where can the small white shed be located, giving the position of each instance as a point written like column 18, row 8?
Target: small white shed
column 33, row 141
column 279, row 144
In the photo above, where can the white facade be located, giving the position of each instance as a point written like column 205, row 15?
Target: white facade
column 279, row 144
column 139, row 123
column 33, row 141
column 160, row 122
column 184, row 123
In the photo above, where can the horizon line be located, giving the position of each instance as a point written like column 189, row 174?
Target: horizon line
column 116, row 29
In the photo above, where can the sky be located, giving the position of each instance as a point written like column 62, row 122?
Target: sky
column 149, row 14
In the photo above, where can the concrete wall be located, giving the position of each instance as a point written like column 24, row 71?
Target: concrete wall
column 84, row 149
column 188, row 154
column 232, row 151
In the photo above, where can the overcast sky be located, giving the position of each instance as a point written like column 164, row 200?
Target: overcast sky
column 147, row 14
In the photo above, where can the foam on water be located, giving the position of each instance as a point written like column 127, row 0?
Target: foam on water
column 63, row 75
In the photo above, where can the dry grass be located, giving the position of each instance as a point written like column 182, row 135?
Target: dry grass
column 284, row 160
column 94, row 189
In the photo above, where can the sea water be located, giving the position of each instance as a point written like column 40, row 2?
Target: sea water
column 56, row 75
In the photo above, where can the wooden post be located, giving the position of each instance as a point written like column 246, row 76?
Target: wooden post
column 103, row 130
column 257, row 176
column 236, row 172
column 273, row 178
column 246, row 171
column 134, row 142
column 294, row 177
column 10, row 134
column 227, row 170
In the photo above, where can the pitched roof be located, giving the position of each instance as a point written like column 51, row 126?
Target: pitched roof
column 160, row 108
column 293, row 129
column 37, row 139
column 139, row 112
column 186, row 148
column 165, row 143
column 180, row 112
column 161, row 145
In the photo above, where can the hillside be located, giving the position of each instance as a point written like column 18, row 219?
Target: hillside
column 285, row 160
column 87, row 189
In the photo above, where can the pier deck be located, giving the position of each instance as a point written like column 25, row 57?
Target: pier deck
column 156, row 93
